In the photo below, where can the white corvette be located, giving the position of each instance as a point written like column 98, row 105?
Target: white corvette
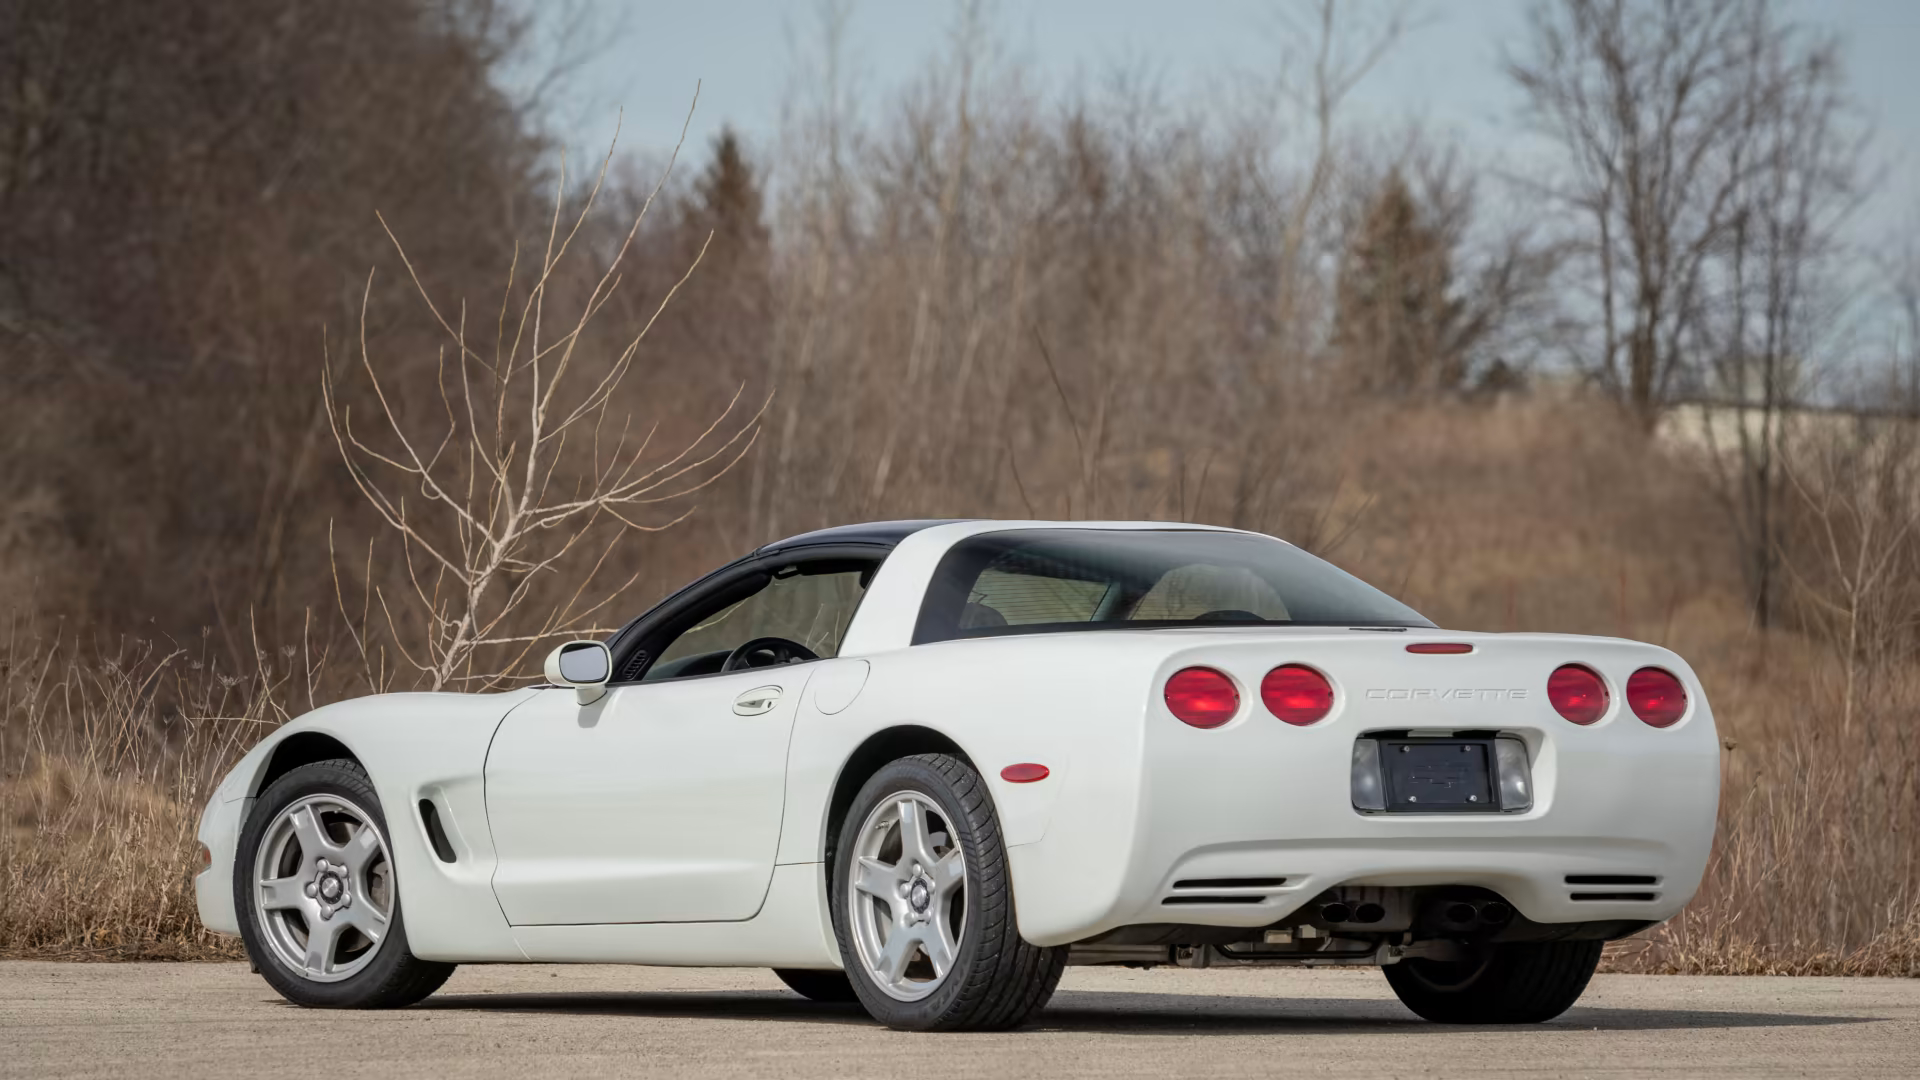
column 923, row 765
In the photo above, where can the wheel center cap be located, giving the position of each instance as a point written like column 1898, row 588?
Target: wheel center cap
column 329, row 887
column 920, row 895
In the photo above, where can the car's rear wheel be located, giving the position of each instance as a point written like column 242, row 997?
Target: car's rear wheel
column 923, row 904
column 314, row 884
column 814, row 985
column 1505, row 984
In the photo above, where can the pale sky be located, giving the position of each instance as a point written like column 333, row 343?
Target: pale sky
column 1445, row 74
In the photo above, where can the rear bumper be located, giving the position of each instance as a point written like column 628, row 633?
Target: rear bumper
column 1244, row 824
column 1532, row 874
column 1548, row 877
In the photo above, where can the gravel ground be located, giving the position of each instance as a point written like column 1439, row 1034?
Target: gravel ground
column 217, row 1020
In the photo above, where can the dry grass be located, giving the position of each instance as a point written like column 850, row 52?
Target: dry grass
column 107, row 756
column 1816, row 868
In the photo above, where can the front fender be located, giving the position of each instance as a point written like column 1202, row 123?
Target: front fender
column 414, row 747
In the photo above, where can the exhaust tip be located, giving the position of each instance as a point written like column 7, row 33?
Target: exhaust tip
column 1495, row 913
column 1336, row 913
column 1369, row 913
column 1460, row 914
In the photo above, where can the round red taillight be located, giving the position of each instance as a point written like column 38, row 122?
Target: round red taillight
column 1202, row 697
column 1656, row 696
column 1577, row 693
column 1297, row 694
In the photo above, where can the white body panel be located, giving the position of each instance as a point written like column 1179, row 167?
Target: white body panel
column 659, row 826
column 657, row 803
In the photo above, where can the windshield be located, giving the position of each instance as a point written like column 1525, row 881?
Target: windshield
column 1034, row 581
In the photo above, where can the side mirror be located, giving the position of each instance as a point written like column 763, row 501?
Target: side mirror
column 584, row 665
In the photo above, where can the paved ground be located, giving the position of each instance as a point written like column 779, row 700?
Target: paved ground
column 216, row 1020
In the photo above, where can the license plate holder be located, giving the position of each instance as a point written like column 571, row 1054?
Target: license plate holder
column 1438, row 776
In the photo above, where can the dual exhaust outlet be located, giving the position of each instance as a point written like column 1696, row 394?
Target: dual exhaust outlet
column 1451, row 916
column 1341, row 912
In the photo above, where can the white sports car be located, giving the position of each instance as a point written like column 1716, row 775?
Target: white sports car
column 925, row 764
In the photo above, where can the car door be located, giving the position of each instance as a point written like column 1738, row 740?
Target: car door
column 661, row 802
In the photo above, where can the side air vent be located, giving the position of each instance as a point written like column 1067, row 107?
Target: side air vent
column 1227, row 898
column 1612, row 879
column 1615, row 896
column 1231, row 883
column 436, row 832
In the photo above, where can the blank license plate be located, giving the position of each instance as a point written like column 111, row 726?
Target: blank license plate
column 1438, row 776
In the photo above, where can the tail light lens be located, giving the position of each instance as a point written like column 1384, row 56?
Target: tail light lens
column 1297, row 694
column 1656, row 696
column 1202, row 697
column 1577, row 693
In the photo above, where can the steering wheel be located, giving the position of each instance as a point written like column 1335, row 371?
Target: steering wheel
column 767, row 652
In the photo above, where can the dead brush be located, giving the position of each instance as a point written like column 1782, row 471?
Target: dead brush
column 107, row 755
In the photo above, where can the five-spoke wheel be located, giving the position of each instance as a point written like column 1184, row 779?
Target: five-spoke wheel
column 923, row 904
column 909, row 895
column 318, row 894
column 325, row 888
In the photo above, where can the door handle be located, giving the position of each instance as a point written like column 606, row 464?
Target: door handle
column 760, row 699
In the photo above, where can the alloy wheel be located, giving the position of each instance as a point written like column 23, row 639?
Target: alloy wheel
column 323, row 888
column 908, row 895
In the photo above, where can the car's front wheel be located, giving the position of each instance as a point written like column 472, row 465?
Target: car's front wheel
column 1504, row 984
column 923, row 904
column 314, row 884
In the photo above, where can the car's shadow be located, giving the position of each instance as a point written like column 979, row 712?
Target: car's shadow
column 1129, row 1012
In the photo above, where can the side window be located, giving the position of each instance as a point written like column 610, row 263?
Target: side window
column 807, row 605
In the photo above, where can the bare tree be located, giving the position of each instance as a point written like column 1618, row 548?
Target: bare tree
column 1780, row 289
column 1335, row 48
column 1710, row 165
column 1654, row 105
column 1343, row 52
column 523, row 489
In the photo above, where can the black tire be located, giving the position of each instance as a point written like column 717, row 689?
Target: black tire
column 394, row 977
column 997, row 979
column 827, row 986
column 1509, row 984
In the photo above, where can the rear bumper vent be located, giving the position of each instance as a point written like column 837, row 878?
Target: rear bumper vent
column 1612, row 886
column 1612, row 879
column 1227, row 890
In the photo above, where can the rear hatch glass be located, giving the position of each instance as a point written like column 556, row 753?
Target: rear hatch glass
column 1033, row 581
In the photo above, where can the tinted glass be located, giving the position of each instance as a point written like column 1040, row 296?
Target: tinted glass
column 812, row 609
column 1040, row 580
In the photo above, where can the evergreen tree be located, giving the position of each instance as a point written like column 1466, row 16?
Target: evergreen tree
column 1398, row 328
column 729, row 205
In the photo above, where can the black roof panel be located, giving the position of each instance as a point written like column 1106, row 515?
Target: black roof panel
column 884, row 533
